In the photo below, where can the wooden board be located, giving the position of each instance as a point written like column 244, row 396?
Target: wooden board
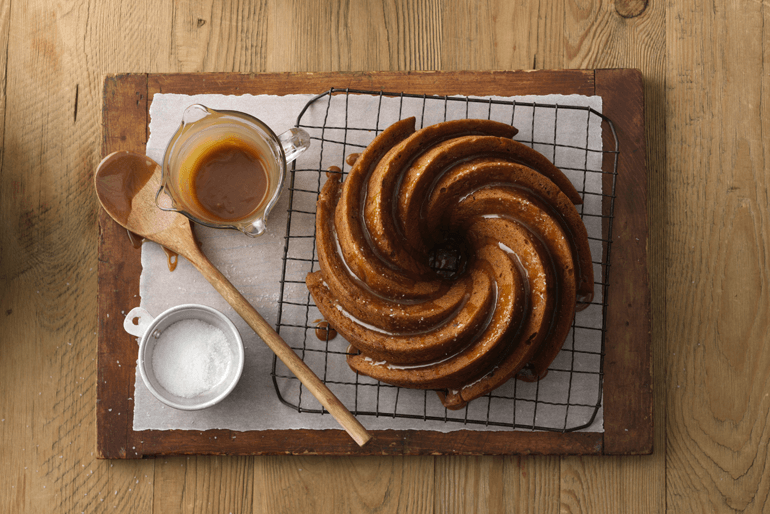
column 627, row 364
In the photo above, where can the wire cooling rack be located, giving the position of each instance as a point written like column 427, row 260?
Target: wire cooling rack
column 344, row 121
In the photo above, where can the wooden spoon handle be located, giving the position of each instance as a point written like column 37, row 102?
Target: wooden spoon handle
column 280, row 348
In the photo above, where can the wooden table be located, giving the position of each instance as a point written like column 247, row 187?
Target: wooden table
column 706, row 110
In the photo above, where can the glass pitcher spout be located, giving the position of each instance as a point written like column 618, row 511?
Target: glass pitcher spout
column 257, row 228
column 164, row 200
column 195, row 112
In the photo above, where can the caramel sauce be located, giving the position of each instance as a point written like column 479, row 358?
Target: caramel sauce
column 352, row 158
column 123, row 175
column 173, row 258
column 584, row 301
column 229, row 180
column 324, row 331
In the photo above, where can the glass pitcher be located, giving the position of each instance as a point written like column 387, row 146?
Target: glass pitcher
column 225, row 169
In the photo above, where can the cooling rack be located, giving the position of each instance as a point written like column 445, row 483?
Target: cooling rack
column 569, row 398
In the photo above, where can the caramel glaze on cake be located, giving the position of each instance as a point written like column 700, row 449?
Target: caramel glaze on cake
column 504, row 209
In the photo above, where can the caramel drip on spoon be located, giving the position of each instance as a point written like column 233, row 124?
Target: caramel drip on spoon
column 123, row 176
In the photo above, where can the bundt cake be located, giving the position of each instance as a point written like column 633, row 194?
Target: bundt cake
column 451, row 258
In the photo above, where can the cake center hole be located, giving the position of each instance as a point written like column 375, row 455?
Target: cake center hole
column 448, row 259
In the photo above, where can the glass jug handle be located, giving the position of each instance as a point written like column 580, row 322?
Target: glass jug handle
column 294, row 141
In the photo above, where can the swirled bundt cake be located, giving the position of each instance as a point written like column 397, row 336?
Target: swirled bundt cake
column 461, row 191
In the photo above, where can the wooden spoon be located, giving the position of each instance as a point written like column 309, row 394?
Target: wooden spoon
column 126, row 184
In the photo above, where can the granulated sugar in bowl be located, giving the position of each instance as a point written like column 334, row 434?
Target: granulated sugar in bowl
column 190, row 356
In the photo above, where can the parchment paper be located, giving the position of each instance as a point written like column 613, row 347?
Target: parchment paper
column 254, row 267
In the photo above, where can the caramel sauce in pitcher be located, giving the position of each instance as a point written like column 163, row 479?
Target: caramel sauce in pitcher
column 229, row 180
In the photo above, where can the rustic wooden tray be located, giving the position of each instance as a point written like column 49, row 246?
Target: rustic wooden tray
column 628, row 425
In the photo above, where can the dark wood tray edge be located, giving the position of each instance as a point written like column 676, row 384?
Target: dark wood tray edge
column 628, row 395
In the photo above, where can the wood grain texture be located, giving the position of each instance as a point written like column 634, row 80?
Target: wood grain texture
column 489, row 484
column 218, row 36
column 117, row 360
column 502, row 35
column 717, row 323
column 469, row 485
column 707, row 115
column 337, row 442
column 56, row 58
column 352, row 36
column 597, row 35
column 455, row 83
column 130, row 487
column 344, row 485
column 209, row 484
column 627, row 373
column 5, row 29
column 533, row 484
column 48, row 358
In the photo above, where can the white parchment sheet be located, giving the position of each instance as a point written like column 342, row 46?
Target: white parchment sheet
column 254, row 266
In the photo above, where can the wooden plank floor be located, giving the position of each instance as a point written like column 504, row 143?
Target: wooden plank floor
column 708, row 120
